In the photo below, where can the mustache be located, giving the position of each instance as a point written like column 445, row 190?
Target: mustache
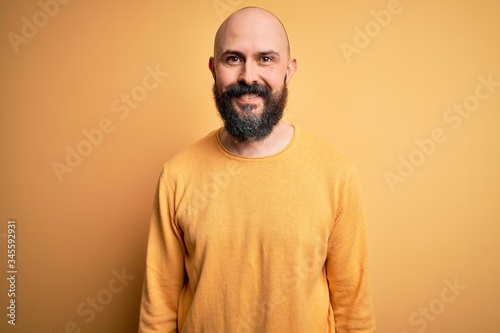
column 241, row 88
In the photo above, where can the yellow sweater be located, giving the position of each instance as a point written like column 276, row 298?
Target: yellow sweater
column 272, row 244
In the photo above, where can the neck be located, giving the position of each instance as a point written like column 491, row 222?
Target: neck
column 276, row 141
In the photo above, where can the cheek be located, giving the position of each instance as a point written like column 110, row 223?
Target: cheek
column 275, row 78
column 225, row 77
column 277, row 82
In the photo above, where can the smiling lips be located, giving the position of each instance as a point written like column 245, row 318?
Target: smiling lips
column 249, row 98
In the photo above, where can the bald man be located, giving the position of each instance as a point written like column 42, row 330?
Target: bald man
column 259, row 226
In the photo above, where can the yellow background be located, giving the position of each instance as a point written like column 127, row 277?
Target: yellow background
column 438, row 223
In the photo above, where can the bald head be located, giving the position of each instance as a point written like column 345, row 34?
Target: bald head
column 252, row 28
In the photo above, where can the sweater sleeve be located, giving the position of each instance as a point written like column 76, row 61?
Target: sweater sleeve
column 347, row 265
column 165, row 273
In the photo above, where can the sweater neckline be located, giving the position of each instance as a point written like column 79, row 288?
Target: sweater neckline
column 260, row 158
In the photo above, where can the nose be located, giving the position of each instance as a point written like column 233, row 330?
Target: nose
column 249, row 73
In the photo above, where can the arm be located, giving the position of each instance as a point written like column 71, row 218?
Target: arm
column 347, row 265
column 165, row 273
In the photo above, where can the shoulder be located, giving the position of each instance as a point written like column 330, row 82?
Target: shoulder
column 314, row 148
column 193, row 156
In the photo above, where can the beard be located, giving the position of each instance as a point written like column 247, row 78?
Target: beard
column 244, row 125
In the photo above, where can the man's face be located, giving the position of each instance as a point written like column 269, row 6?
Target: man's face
column 251, row 68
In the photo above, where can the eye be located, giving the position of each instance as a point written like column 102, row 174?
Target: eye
column 232, row 59
column 266, row 59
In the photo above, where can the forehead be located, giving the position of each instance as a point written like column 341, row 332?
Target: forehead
column 251, row 32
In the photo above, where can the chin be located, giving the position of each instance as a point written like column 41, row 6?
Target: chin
column 249, row 108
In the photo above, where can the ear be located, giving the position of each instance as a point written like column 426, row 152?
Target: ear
column 290, row 70
column 211, row 66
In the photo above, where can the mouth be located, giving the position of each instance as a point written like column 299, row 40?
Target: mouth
column 248, row 98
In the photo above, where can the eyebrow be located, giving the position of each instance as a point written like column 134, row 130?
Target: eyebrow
column 241, row 55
